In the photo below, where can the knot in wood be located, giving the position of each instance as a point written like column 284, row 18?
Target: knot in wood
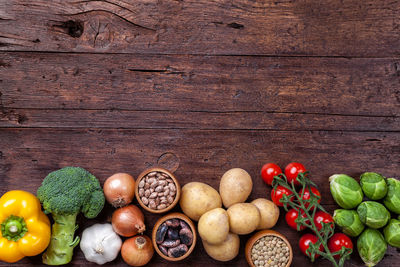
column 74, row 28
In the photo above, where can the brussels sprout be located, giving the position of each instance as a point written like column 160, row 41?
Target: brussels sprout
column 373, row 214
column 392, row 199
column 345, row 191
column 348, row 221
column 392, row 233
column 373, row 185
column 371, row 246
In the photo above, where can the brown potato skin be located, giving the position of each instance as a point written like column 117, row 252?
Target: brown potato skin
column 198, row 198
column 235, row 186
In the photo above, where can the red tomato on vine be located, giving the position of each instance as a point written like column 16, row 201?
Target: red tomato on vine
column 292, row 170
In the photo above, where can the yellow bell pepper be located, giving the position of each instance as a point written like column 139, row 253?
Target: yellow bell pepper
column 25, row 229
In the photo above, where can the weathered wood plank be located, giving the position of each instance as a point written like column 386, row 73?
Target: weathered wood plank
column 320, row 28
column 200, row 83
column 29, row 154
column 125, row 119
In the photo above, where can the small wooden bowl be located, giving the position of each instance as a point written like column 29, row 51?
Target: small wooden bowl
column 250, row 243
column 178, row 190
column 174, row 215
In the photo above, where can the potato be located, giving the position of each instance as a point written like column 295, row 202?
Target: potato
column 225, row 251
column 244, row 218
column 269, row 213
column 214, row 226
column 235, row 186
column 198, row 198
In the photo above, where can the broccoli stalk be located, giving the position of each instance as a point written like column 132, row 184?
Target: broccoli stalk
column 62, row 242
column 65, row 193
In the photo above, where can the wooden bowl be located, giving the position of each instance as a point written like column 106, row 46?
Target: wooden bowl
column 174, row 215
column 250, row 243
column 178, row 190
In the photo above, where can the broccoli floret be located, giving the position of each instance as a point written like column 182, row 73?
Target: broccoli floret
column 65, row 193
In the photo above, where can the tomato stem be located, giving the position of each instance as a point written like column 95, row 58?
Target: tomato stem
column 327, row 229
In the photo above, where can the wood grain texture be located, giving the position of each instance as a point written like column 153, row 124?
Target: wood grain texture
column 199, row 87
column 204, row 156
column 200, row 83
column 125, row 119
column 241, row 27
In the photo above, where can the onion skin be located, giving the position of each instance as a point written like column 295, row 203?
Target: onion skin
column 119, row 189
column 128, row 221
column 137, row 251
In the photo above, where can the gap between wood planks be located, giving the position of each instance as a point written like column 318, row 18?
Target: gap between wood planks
column 395, row 57
column 203, row 120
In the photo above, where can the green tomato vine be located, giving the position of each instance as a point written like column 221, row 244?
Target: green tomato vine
column 306, row 209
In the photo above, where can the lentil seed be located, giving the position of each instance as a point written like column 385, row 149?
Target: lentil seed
column 270, row 251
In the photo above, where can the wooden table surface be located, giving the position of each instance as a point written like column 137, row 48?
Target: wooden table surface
column 199, row 87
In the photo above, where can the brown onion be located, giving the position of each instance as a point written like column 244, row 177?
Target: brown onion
column 119, row 189
column 137, row 251
column 128, row 221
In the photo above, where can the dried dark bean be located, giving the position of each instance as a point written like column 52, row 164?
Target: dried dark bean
column 184, row 225
column 174, row 223
column 173, row 234
column 171, row 243
column 163, row 250
column 186, row 236
column 161, row 231
column 177, row 251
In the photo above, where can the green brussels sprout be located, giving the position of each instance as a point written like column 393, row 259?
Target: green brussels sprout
column 349, row 222
column 392, row 199
column 392, row 233
column 371, row 246
column 373, row 185
column 345, row 191
column 373, row 214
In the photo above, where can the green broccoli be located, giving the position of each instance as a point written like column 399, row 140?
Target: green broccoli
column 65, row 193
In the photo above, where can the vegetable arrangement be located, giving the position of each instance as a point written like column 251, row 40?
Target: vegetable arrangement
column 127, row 221
column 370, row 215
column 65, row 193
column 218, row 227
column 222, row 216
column 301, row 199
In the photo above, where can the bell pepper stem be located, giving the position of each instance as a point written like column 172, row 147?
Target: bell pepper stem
column 13, row 228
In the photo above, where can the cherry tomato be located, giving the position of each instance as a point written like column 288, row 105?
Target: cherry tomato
column 337, row 241
column 292, row 170
column 304, row 244
column 321, row 216
column 306, row 195
column 291, row 216
column 268, row 171
column 280, row 191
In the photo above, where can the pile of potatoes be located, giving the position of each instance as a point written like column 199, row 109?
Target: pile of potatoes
column 219, row 228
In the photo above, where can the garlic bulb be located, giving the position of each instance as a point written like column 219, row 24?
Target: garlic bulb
column 100, row 243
